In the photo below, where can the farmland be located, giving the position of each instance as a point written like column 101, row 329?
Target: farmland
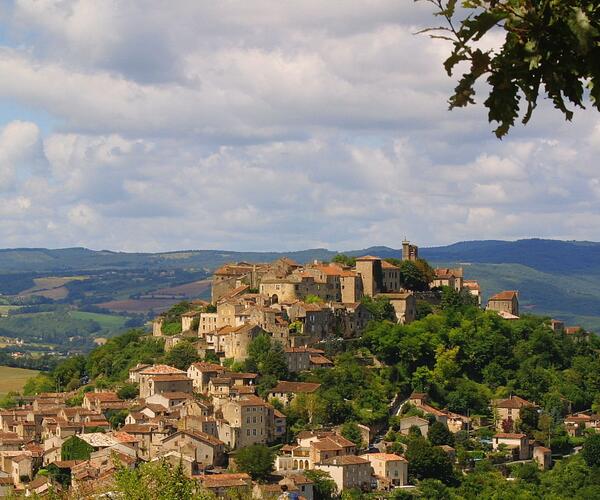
column 13, row 379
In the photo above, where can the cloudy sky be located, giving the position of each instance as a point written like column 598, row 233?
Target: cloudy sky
column 264, row 125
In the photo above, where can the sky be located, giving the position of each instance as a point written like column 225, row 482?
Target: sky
column 265, row 125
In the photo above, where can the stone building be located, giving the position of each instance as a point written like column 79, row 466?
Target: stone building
column 507, row 301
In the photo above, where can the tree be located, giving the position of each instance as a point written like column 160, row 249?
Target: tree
column 413, row 277
column 423, row 309
column 128, row 391
column 439, row 434
column 182, row 355
column 157, row 480
column 380, row 308
column 324, row 487
column 426, row 461
column 313, row 299
column 591, row 450
column 351, row 431
column 75, row 449
column 433, row 489
column 549, row 45
column 116, row 417
column 528, row 419
column 267, row 357
column 456, row 301
column 345, row 260
column 256, row 460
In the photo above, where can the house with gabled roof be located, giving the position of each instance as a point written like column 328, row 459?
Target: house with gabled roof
column 507, row 301
column 517, row 443
column 206, row 450
column 286, row 391
column 507, row 412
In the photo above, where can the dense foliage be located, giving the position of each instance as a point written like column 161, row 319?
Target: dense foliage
column 75, row 449
column 547, row 46
column 157, row 480
column 266, row 357
column 256, row 460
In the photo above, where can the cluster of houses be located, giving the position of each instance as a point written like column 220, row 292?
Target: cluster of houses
column 200, row 417
column 300, row 305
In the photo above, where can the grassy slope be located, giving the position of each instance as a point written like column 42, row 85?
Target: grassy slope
column 574, row 299
column 106, row 321
column 13, row 379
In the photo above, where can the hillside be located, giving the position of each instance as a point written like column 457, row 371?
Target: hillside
column 559, row 278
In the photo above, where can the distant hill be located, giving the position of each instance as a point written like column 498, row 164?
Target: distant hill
column 553, row 256
column 558, row 278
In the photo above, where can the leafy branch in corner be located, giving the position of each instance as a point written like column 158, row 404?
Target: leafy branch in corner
column 549, row 46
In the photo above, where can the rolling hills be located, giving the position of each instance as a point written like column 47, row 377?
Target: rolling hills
column 558, row 278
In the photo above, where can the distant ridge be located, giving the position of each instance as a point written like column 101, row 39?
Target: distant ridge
column 544, row 255
column 557, row 278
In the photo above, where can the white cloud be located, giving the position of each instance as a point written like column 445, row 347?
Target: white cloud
column 266, row 125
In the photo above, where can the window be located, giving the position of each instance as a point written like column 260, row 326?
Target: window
column 254, row 432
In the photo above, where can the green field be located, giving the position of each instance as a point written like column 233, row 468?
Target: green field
column 7, row 309
column 13, row 379
column 106, row 321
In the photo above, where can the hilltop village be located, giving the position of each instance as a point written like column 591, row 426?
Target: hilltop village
column 242, row 396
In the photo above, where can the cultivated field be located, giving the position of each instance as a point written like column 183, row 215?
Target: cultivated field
column 13, row 379
column 189, row 290
column 52, row 287
column 107, row 321
column 139, row 305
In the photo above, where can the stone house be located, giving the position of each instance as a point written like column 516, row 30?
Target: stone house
column 517, row 443
column 187, row 319
column 316, row 319
column 204, row 448
column 143, row 376
column 452, row 278
column 232, row 314
column 404, row 304
column 169, row 399
column 219, row 484
column 246, row 422
column 507, row 301
column 287, row 391
column 230, row 276
column 94, row 400
column 543, row 457
column 207, row 323
column 305, row 358
column 507, row 412
column 353, row 319
column 474, row 289
column 392, row 468
column 149, row 437
column 577, row 423
column 348, row 472
column 135, row 371
column 407, row 423
column 202, row 372
column 166, row 383
column 236, row 343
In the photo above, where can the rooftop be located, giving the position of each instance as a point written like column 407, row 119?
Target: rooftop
column 295, row 387
column 506, row 295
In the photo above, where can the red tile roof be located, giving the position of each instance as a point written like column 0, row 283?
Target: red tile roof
column 509, row 435
column 512, row 402
column 295, row 387
column 506, row 295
